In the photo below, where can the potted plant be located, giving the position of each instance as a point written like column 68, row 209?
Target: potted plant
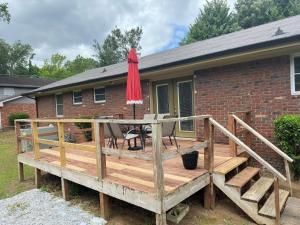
column 190, row 160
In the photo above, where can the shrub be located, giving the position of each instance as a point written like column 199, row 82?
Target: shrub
column 17, row 115
column 287, row 134
column 87, row 134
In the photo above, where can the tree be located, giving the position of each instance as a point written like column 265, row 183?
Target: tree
column 256, row 12
column 55, row 67
column 288, row 8
column 19, row 56
column 80, row 64
column 4, row 13
column 116, row 45
column 213, row 20
column 4, row 49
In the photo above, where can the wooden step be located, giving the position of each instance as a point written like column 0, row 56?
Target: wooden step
column 243, row 177
column 291, row 213
column 268, row 208
column 258, row 190
column 229, row 165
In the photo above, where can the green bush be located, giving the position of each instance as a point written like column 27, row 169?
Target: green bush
column 17, row 115
column 87, row 134
column 287, row 134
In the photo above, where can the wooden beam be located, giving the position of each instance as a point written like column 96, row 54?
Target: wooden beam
column 18, row 141
column 104, row 205
column 48, row 142
column 61, row 139
column 125, row 153
column 65, row 189
column 277, row 205
column 21, row 171
column 158, row 172
column 35, row 143
column 232, row 129
column 248, row 134
column 38, row 177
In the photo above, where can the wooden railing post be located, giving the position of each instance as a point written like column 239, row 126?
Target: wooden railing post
column 288, row 176
column 232, row 129
column 35, row 137
column 158, row 171
column 209, row 192
column 277, row 206
column 61, row 139
column 101, row 166
column 18, row 141
column 248, row 134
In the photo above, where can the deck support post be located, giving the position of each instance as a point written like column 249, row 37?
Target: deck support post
column 21, row 171
column 159, row 186
column 65, row 189
column 35, row 137
column 209, row 191
column 38, row 177
column 101, row 166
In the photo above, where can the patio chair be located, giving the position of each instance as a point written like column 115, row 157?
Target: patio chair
column 127, row 136
column 168, row 130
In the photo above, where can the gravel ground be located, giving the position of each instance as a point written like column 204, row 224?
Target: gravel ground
column 36, row 207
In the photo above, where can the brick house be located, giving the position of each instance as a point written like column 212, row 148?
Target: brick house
column 11, row 99
column 256, row 69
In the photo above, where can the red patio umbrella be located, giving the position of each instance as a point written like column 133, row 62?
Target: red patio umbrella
column 133, row 91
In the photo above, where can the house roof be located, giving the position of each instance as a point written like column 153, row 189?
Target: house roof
column 10, row 98
column 23, row 81
column 240, row 41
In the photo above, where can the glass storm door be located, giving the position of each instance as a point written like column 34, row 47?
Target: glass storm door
column 174, row 97
column 184, row 90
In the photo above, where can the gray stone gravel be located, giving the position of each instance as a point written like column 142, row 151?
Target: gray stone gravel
column 36, row 207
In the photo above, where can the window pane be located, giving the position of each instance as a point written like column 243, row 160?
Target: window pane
column 297, row 64
column 185, row 100
column 99, row 94
column 59, row 105
column 297, row 82
column 77, row 97
column 162, row 99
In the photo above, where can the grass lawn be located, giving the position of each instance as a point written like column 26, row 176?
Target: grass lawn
column 9, row 184
column 226, row 213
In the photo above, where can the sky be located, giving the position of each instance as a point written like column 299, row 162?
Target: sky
column 69, row 26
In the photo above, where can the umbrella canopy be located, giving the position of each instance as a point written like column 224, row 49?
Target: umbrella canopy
column 133, row 91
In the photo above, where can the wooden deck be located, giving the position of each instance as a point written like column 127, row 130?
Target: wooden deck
column 135, row 174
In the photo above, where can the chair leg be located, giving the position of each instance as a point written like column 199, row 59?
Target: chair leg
column 175, row 141
column 164, row 144
column 123, row 144
column 170, row 140
column 116, row 142
column 142, row 142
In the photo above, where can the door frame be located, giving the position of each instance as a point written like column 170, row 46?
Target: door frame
column 173, row 101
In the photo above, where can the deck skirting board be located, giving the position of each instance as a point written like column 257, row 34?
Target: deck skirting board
column 186, row 191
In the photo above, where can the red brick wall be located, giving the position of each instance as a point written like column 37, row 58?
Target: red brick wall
column 16, row 107
column 260, row 86
column 115, row 103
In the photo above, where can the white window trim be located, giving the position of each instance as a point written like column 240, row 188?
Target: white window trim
column 292, row 74
column 56, row 105
column 77, row 103
column 101, row 101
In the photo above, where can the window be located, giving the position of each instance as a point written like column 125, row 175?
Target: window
column 77, row 97
column 9, row 91
column 59, row 105
column 162, row 98
column 99, row 95
column 295, row 75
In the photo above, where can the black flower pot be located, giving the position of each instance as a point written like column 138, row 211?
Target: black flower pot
column 190, row 160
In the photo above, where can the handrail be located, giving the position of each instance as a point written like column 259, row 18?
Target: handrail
column 249, row 150
column 262, row 138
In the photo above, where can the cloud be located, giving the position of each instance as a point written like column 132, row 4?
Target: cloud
column 69, row 27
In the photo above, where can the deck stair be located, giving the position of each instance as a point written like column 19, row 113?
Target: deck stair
column 249, row 190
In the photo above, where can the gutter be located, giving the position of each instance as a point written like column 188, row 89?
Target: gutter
column 184, row 61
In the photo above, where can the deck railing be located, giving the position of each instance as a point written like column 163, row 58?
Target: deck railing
column 277, row 174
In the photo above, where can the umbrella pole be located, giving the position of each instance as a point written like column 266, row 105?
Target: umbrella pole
column 134, row 125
